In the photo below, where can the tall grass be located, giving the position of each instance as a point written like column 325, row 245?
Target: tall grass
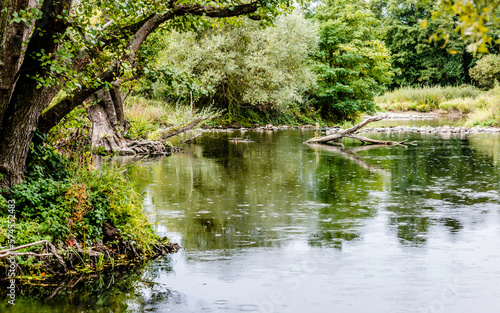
column 426, row 99
column 482, row 107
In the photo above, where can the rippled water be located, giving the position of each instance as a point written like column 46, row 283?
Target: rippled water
column 279, row 226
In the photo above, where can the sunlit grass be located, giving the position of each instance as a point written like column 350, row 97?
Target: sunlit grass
column 426, row 98
column 482, row 107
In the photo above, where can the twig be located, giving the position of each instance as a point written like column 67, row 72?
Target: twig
column 24, row 253
column 24, row 246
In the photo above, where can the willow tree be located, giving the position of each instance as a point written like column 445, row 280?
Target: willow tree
column 74, row 48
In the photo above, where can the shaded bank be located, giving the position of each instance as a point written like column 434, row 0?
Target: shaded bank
column 70, row 216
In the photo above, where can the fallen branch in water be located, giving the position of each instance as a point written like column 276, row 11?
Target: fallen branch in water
column 175, row 130
column 351, row 133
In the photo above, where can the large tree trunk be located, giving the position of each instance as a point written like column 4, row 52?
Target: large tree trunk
column 103, row 132
column 108, row 127
column 23, row 102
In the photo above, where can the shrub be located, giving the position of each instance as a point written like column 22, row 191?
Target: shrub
column 427, row 98
column 240, row 63
column 67, row 197
column 486, row 71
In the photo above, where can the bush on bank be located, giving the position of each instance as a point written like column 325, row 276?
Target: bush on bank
column 67, row 199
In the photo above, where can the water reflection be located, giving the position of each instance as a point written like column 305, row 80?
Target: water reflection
column 280, row 226
column 223, row 195
column 324, row 226
column 125, row 289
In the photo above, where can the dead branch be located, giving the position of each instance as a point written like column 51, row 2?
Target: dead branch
column 345, row 132
column 377, row 142
column 58, row 257
column 190, row 139
column 351, row 133
column 23, row 246
column 175, row 130
column 24, row 253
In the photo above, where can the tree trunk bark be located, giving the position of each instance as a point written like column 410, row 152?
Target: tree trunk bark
column 11, row 50
column 103, row 133
column 108, row 125
column 118, row 103
column 23, row 101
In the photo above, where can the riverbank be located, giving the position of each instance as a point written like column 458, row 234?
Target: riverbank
column 481, row 108
column 70, row 216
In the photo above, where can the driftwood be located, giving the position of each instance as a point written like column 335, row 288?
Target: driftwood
column 351, row 133
column 175, row 130
column 5, row 253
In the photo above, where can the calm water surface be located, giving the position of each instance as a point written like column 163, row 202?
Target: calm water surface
column 279, row 226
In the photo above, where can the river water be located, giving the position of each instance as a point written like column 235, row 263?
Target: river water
column 275, row 225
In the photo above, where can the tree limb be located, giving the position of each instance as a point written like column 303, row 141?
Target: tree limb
column 175, row 130
column 377, row 142
column 351, row 133
column 25, row 253
column 348, row 131
column 24, row 246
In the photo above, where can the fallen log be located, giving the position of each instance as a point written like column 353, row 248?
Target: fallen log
column 7, row 252
column 351, row 133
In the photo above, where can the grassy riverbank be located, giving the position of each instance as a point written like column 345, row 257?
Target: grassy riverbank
column 482, row 107
column 90, row 217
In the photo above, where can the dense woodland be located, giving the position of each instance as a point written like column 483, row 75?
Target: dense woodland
column 108, row 77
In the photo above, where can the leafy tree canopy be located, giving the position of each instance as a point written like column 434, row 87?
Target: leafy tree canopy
column 352, row 63
column 475, row 20
column 80, row 47
column 414, row 58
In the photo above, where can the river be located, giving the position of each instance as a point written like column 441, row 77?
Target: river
column 275, row 225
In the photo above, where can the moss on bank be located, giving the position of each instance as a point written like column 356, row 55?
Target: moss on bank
column 90, row 216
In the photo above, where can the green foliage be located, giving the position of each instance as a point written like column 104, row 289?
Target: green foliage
column 238, row 63
column 73, row 132
column 482, row 107
column 488, row 109
column 140, row 128
column 352, row 65
column 414, row 59
column 476, row 21
column 294, row 114
column 63, row 198
column 148, row 118
column 486, row 71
